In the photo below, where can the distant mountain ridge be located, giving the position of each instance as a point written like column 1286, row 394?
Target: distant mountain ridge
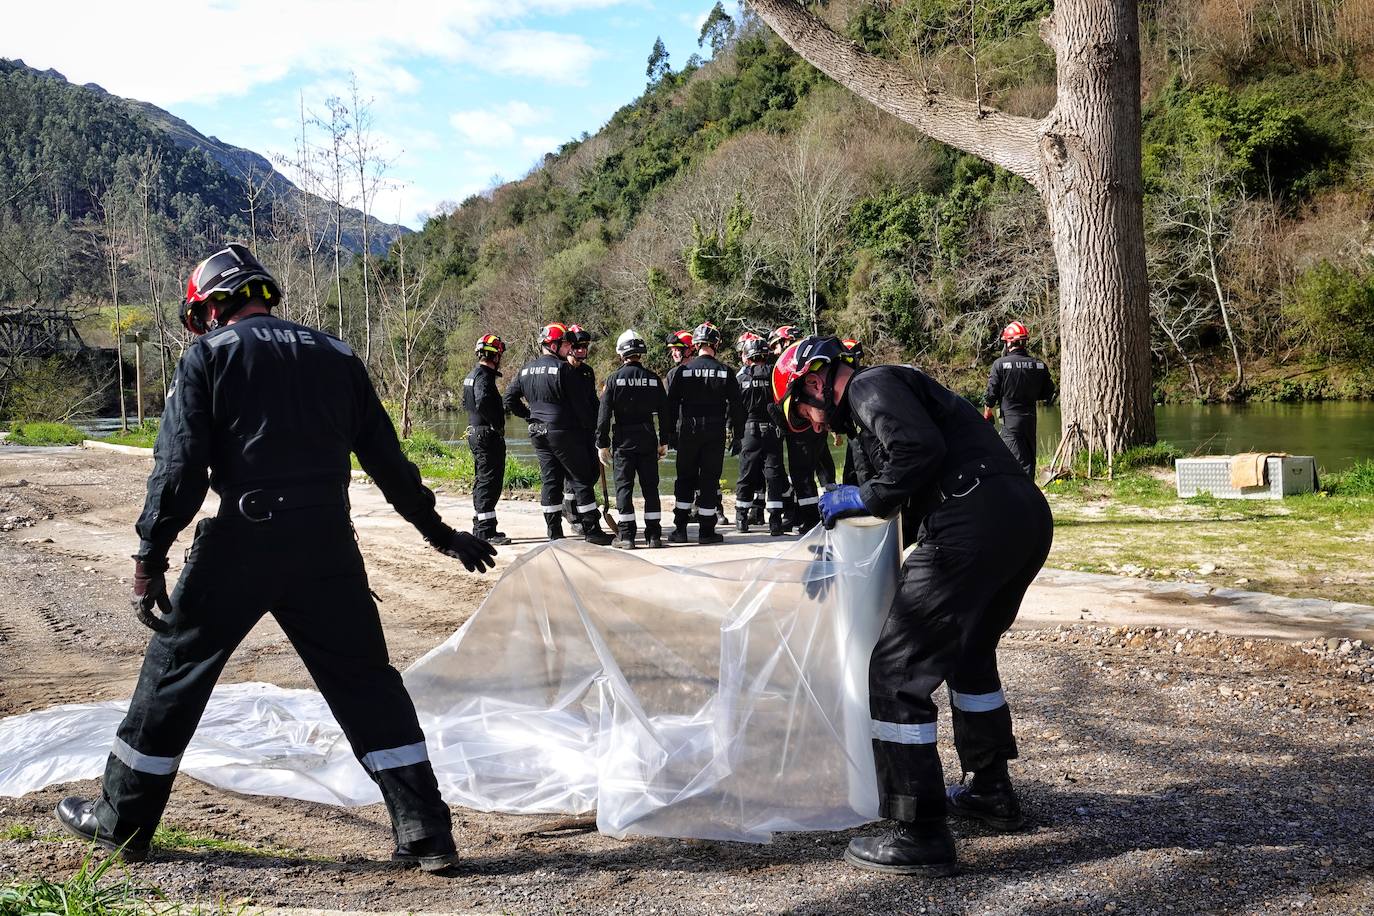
column 239, row 163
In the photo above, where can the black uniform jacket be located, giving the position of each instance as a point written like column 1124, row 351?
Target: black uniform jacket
column 588, row 374
column 547, row 390
column 756, row 392
column 703, row 388
column 266, row 402
column 917, row 437
column 482, row 400
column 634, row 397
column 1017, row 381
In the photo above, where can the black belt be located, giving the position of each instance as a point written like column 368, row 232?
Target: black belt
column 759, row 426
column 261, row 504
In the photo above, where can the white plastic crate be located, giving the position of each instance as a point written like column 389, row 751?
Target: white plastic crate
column 1287, row 476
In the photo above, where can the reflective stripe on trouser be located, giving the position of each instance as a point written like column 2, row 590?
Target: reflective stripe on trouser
column 305, row 566
column 1018, row 432
column 700, row 458
column 636, row 458
column 960, row 590
column 760, row 468
column 489, row 463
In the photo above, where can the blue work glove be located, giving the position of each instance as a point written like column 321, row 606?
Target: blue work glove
column 841, row 502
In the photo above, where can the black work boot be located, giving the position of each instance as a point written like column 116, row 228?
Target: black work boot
column 625, row 536
column 554, row 524
column 77, row 817
column 742, row 520
column 591, row 530
column 706, row 533
column 924, row 848
column 487, row 531
column 653, row 534
column 756, row 515
column 679, row 534
column 989, row 797
column 432, row 854
column 775, row 528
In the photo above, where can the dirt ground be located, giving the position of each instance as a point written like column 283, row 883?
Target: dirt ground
column 1181, row 751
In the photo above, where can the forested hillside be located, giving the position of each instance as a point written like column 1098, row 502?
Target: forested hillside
column 746, row 188
column 750, row 190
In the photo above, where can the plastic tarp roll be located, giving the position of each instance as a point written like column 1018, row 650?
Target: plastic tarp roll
column 724, row 701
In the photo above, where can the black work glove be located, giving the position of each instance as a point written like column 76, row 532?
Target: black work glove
column 735, row 445
column 150, row 589
column 473, row 552
column 820, row 572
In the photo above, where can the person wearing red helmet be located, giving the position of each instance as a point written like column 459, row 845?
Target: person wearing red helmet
column 931, row 457
column 703, row 405
column 804, row 448
column 554, row 398
column 267, row 412
column 486, row 436
column 1017, row 382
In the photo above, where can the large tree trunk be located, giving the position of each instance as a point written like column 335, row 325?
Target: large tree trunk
column 1083, row 158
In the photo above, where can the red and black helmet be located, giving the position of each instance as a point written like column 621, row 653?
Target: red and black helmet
column 231, row 275
column 490, row 345
column 755, row 348
column 795, row 363
column 787, row 334
column 552, row 334
column 743, row 341
column 579, row 336
column 853, row 351
column 1014, row 332
column 680, row 339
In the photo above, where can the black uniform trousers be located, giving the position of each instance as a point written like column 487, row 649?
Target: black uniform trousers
column 636, row 456
column 564, row 457
column 960, row 590
column 700, row 459
column 488, row 446
column 761, row 468
column 1018, row 432
column 825, row 461
column 801, row 470
column 304, row 568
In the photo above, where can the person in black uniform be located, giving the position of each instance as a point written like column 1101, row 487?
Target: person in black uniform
column 635, row 399
column 983, row 531
column 554, row 398
column 1017, row 381
column 854, row 355
column 703, row 403
column 579, row 348
column 761, row 472
column 803, row 448
column 486, row 437
column 266, row 412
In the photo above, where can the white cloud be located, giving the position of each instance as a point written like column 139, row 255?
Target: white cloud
column 176, row 42
column 496, row 126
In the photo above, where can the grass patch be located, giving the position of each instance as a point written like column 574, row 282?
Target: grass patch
column 89, row 892
column 138, row 436
column 20, row 832
column 47, row 434
column 1313, row 545
column 176, row 838
column 438, row 460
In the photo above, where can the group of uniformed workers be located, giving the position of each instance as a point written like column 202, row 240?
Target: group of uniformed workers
column 282, row 540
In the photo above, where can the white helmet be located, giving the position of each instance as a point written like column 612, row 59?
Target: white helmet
column 630, row 344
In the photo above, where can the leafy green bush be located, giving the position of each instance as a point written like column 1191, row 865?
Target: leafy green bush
column 1335, row 305
column 25, row 433
column 1355, row 481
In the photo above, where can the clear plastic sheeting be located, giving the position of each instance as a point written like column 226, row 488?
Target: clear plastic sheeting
column 725, row 701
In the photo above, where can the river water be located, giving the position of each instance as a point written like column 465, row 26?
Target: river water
column 1337, row 433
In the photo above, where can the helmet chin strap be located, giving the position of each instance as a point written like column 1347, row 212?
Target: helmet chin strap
column 826, row 402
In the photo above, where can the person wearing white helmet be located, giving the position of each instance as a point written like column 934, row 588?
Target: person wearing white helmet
column 631, row 438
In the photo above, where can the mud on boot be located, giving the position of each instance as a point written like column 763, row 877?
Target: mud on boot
column 992, row 801
column 923, row 848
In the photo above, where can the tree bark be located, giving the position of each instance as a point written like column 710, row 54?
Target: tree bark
column 1083, row 158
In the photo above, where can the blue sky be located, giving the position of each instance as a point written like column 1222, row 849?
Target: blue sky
column 462, row 91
